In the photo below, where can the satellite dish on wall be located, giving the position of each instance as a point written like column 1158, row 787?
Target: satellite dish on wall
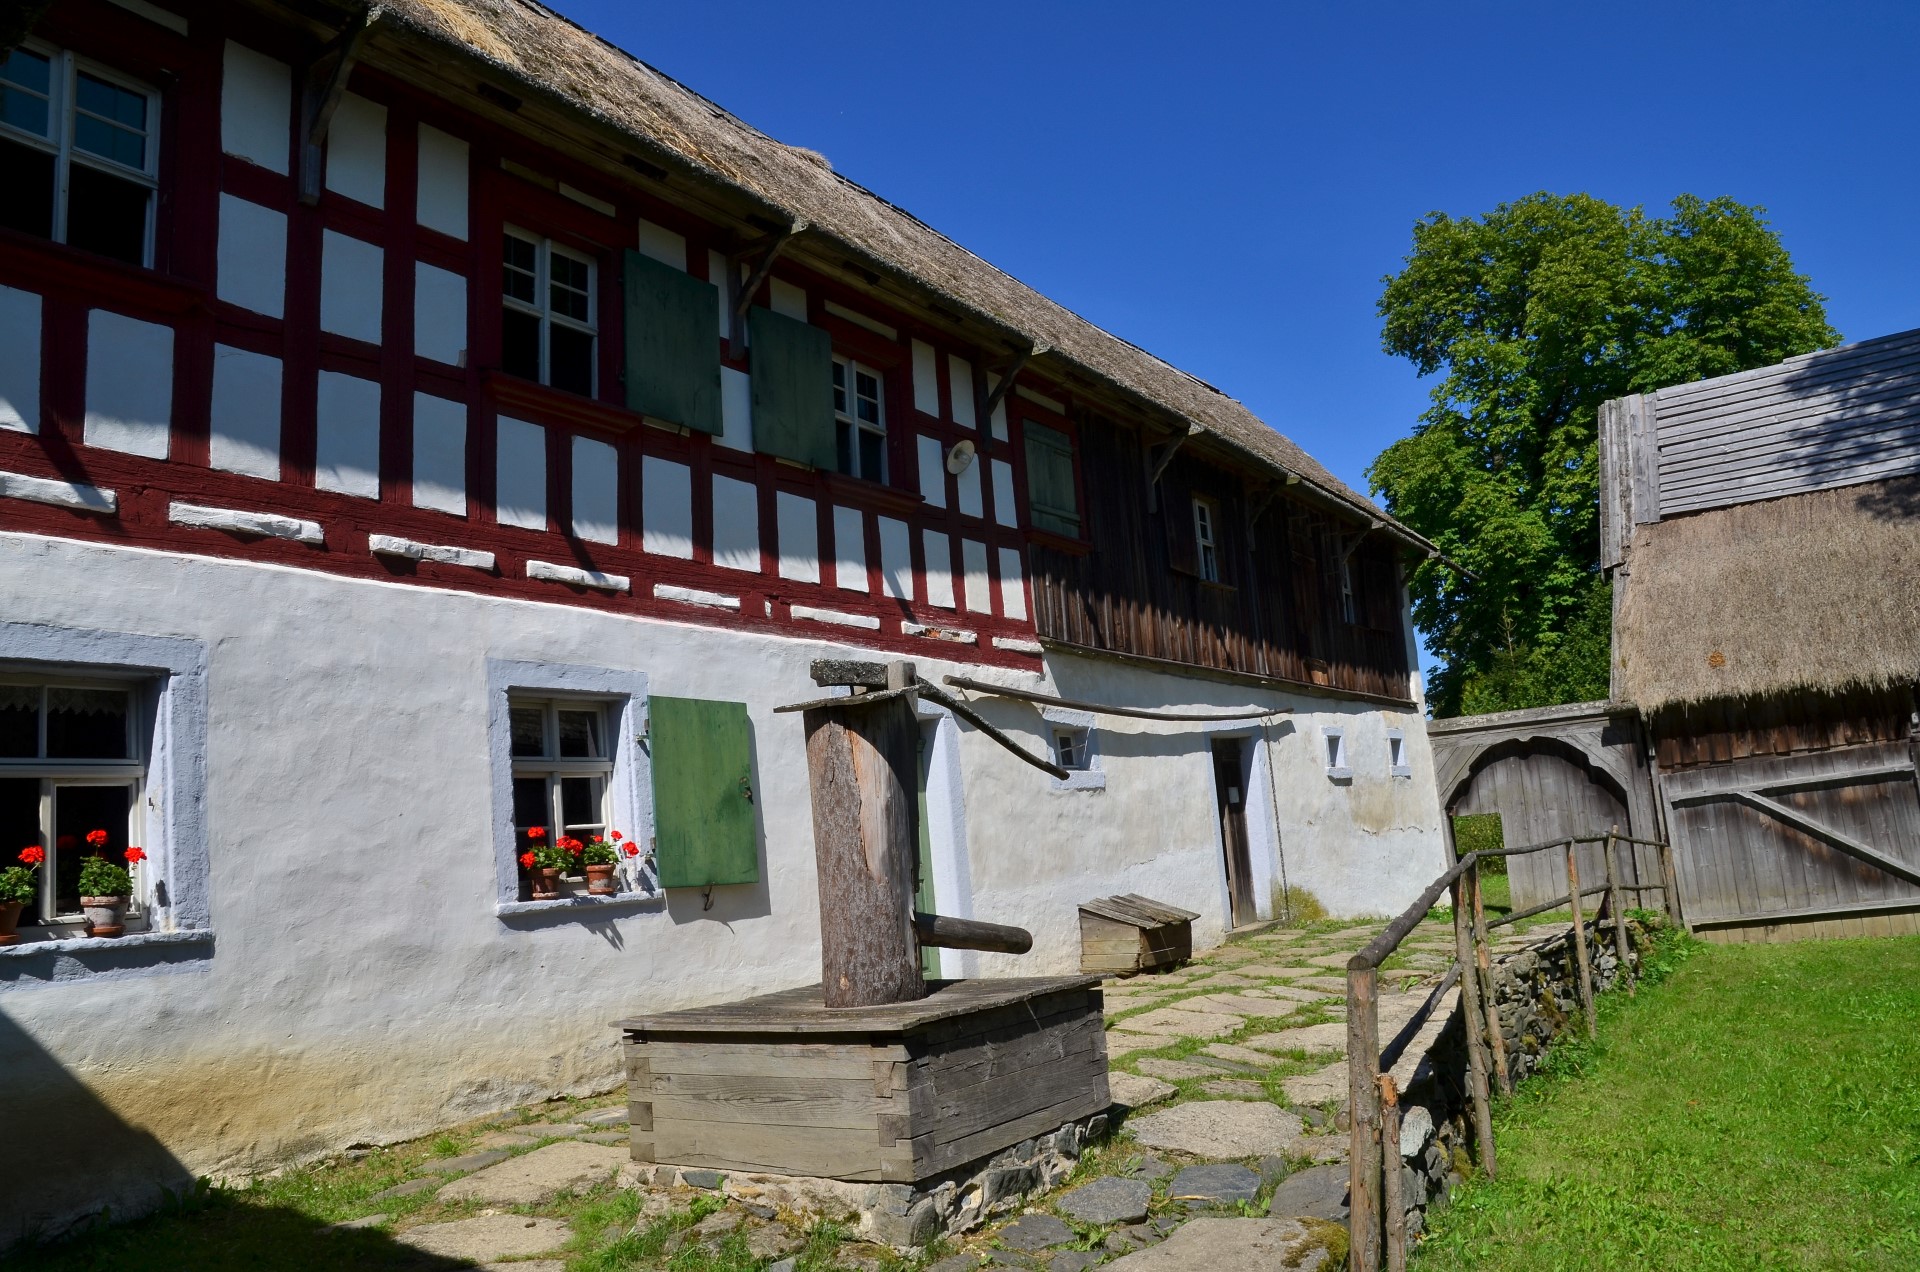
column 959, row 457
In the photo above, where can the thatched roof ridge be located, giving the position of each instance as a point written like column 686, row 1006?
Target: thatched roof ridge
column 1814, row 593
column 536, row 47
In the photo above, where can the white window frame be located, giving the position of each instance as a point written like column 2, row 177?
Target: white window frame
column 1206, row 545
column 1333, row 750
column 545, row 249
column 553, row 768
column 62, row 102
column 850, row 367
column 1398, row 762
column 1079, row 725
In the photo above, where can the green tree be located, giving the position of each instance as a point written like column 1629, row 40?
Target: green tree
column 1533, row 315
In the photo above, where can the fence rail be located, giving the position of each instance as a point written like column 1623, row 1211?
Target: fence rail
column 1377, row 1219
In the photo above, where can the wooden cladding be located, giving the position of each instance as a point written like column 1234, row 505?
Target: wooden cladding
column 1735, row 729
column 1277, row 608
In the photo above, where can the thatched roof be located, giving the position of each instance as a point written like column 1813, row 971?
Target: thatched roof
column 1812, row 593
column 530, row 45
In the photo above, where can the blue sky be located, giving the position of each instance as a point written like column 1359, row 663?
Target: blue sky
column 1225, row 185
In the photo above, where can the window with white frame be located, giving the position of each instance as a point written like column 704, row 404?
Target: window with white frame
column 1397, row 763
column 1075, row 746
column 1205, row 545
column 79, row 153
column 1349, row 613
column 1334, row 742
column 549, row 329
column 1070, row 748
column 70, row 769
column 860, row 414
column 562, row 768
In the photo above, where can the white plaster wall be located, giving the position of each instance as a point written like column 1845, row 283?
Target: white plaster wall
column 736, row 524
column 439, row 454
column 933, row 470
column 596, row 490
column 252, row 256
column 849, row 549
column 350, row 286
column 939, row 568
column 1013, row 588
column 256, row 107
column 439, row 314
column 19, row 360
column 666, row 507
column 347, row 435
column 244, row 431
column 896, row 559
column 362, row 987
column 798, row 531
column 520, row 474
column 669, row 247
column 443, row 182
column 1005, row 510
column 129, row 384
column 357, row 150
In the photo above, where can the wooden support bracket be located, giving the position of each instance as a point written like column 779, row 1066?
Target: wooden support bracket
column 993, row 399
column 1158, row 458
column 325, row 84
column 763, row 252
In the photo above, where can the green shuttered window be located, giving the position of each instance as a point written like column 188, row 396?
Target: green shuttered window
column 1050, row 491
column 703, row 827
column 673, row 352
column 792, row 389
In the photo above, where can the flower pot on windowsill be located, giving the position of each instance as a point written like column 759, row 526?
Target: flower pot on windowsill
column 106, row 916
column 9, row 920
column 546, row 883
column 600, row 882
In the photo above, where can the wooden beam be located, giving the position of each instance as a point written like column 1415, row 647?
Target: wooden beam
column 325, row 84
column 1861, row 909
column 1819, row 830
column 1137, row 713
column 1159, row 457
column 767, row 250
column 1000, row 390
column 972, row 717
column 970, row 934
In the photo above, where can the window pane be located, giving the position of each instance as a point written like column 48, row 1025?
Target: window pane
column 843, row 443
column 77, row 812
column 521, row 266
column 19, row 826
column 570, row 359
column 520, row 345
column 26, row 175
column 86, row 724
column 530, row 808
column 872, row 455
column 580, row 735
column 840, row 387
column 109, row 101
column 19, row 727
column 110, row 141
column 580, row 802
column 567, row 286
column 22, row 70
column 529, row 730
column 107, row 214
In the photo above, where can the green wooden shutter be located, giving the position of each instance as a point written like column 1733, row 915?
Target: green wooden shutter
column 792, row 389
column 703, row 827
column 1050, row 491
column 673, row 349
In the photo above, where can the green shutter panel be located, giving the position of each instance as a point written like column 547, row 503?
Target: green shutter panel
column 1050, row 492
column 792, row 389
column 673, row 349
column 703, row 826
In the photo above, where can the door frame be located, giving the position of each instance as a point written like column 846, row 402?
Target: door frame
column 1265, row 849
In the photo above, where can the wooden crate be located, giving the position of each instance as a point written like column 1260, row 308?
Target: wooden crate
column 782, row 1084
column 1131, row 933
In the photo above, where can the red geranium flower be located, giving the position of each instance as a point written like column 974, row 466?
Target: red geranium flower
column 536, row 832
column 33, row 854
column 632, row 850
column 617, row 836
column 572, row 845
column 136, row 854
column 98, row 838
column 526, row 859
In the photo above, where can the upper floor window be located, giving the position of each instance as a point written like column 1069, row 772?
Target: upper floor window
column 79, row 151
column 1203, row 540
column 861, row 420
column 549, row 327
column 1349, row 612
column 1052, row 501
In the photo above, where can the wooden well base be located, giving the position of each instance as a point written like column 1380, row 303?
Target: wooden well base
column 781, row 1084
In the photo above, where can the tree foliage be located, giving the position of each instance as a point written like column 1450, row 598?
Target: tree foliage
column 1533, row 315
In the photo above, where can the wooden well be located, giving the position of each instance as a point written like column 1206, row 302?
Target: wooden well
column 899, row 1092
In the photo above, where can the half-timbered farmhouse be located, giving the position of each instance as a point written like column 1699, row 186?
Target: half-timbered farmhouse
column 426, row 424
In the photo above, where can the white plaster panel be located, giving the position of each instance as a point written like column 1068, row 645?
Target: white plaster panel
column 244, row 427
column 960, row 385
column 439, row 454
column 267, row 525
column 520, row 474
column 439, row 314
column 60, row 494
column 1013, row 590
column 666, row 507
column 252, row 256
column 19, row 360
column 939, row 568
column 129, row 384
column 350, row 287
column 968, row 486
column 600, row 581
column 736, row 524
column 662, row 244
column 999, row 421
column 596, row 491
column 838, row 617
column 926, row 379
column 357, row 150
column 849, row 549
column 694, row 596
column 736, row 409
column 1005, row 511
column 896, row 559
column 973, row 564
column 798, row 527
column 346, row 453
column 442, row 198
column 933, row 469
column 788, row 299
column 256, row 107
column 413, row 550
column 717, row 275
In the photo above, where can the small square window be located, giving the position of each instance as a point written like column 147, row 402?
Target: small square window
column 1397, row 762
column 1334, row 743
column 1070, row 748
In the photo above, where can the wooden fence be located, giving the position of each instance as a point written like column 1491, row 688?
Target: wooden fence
column 1378, row 1218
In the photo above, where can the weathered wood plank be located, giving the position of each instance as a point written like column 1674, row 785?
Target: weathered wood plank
column 783, row 1101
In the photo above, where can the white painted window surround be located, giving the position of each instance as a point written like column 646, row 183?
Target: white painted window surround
column 1333, row 751
column 1398, row 763
column 1073, row 741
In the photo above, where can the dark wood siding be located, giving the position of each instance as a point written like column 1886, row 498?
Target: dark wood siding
column 1732, row 729
column 1276, row 611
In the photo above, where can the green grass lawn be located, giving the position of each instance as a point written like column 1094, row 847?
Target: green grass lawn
column 1759, row 1108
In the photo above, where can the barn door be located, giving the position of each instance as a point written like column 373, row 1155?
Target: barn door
column 1825, row 835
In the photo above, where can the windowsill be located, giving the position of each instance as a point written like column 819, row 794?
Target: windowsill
column 1402, row 771
column 84, row 944
column 544, row 404
column 1081, row 780
column 1340, row 774
column 875, row 494
column 579, row 901
column 1059, row 542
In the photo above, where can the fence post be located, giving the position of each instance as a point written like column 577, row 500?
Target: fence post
column 1363, row 1114
column 1393, row 1170
column 1489, row 992
column 1475, row 1018
column 1619, row 915
column 1580, row 940
column 1670, row 882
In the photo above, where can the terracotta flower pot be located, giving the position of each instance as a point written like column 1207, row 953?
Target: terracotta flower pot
column 600, row 881
column 106, row 916
column 9, row 919
column 546, row 883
